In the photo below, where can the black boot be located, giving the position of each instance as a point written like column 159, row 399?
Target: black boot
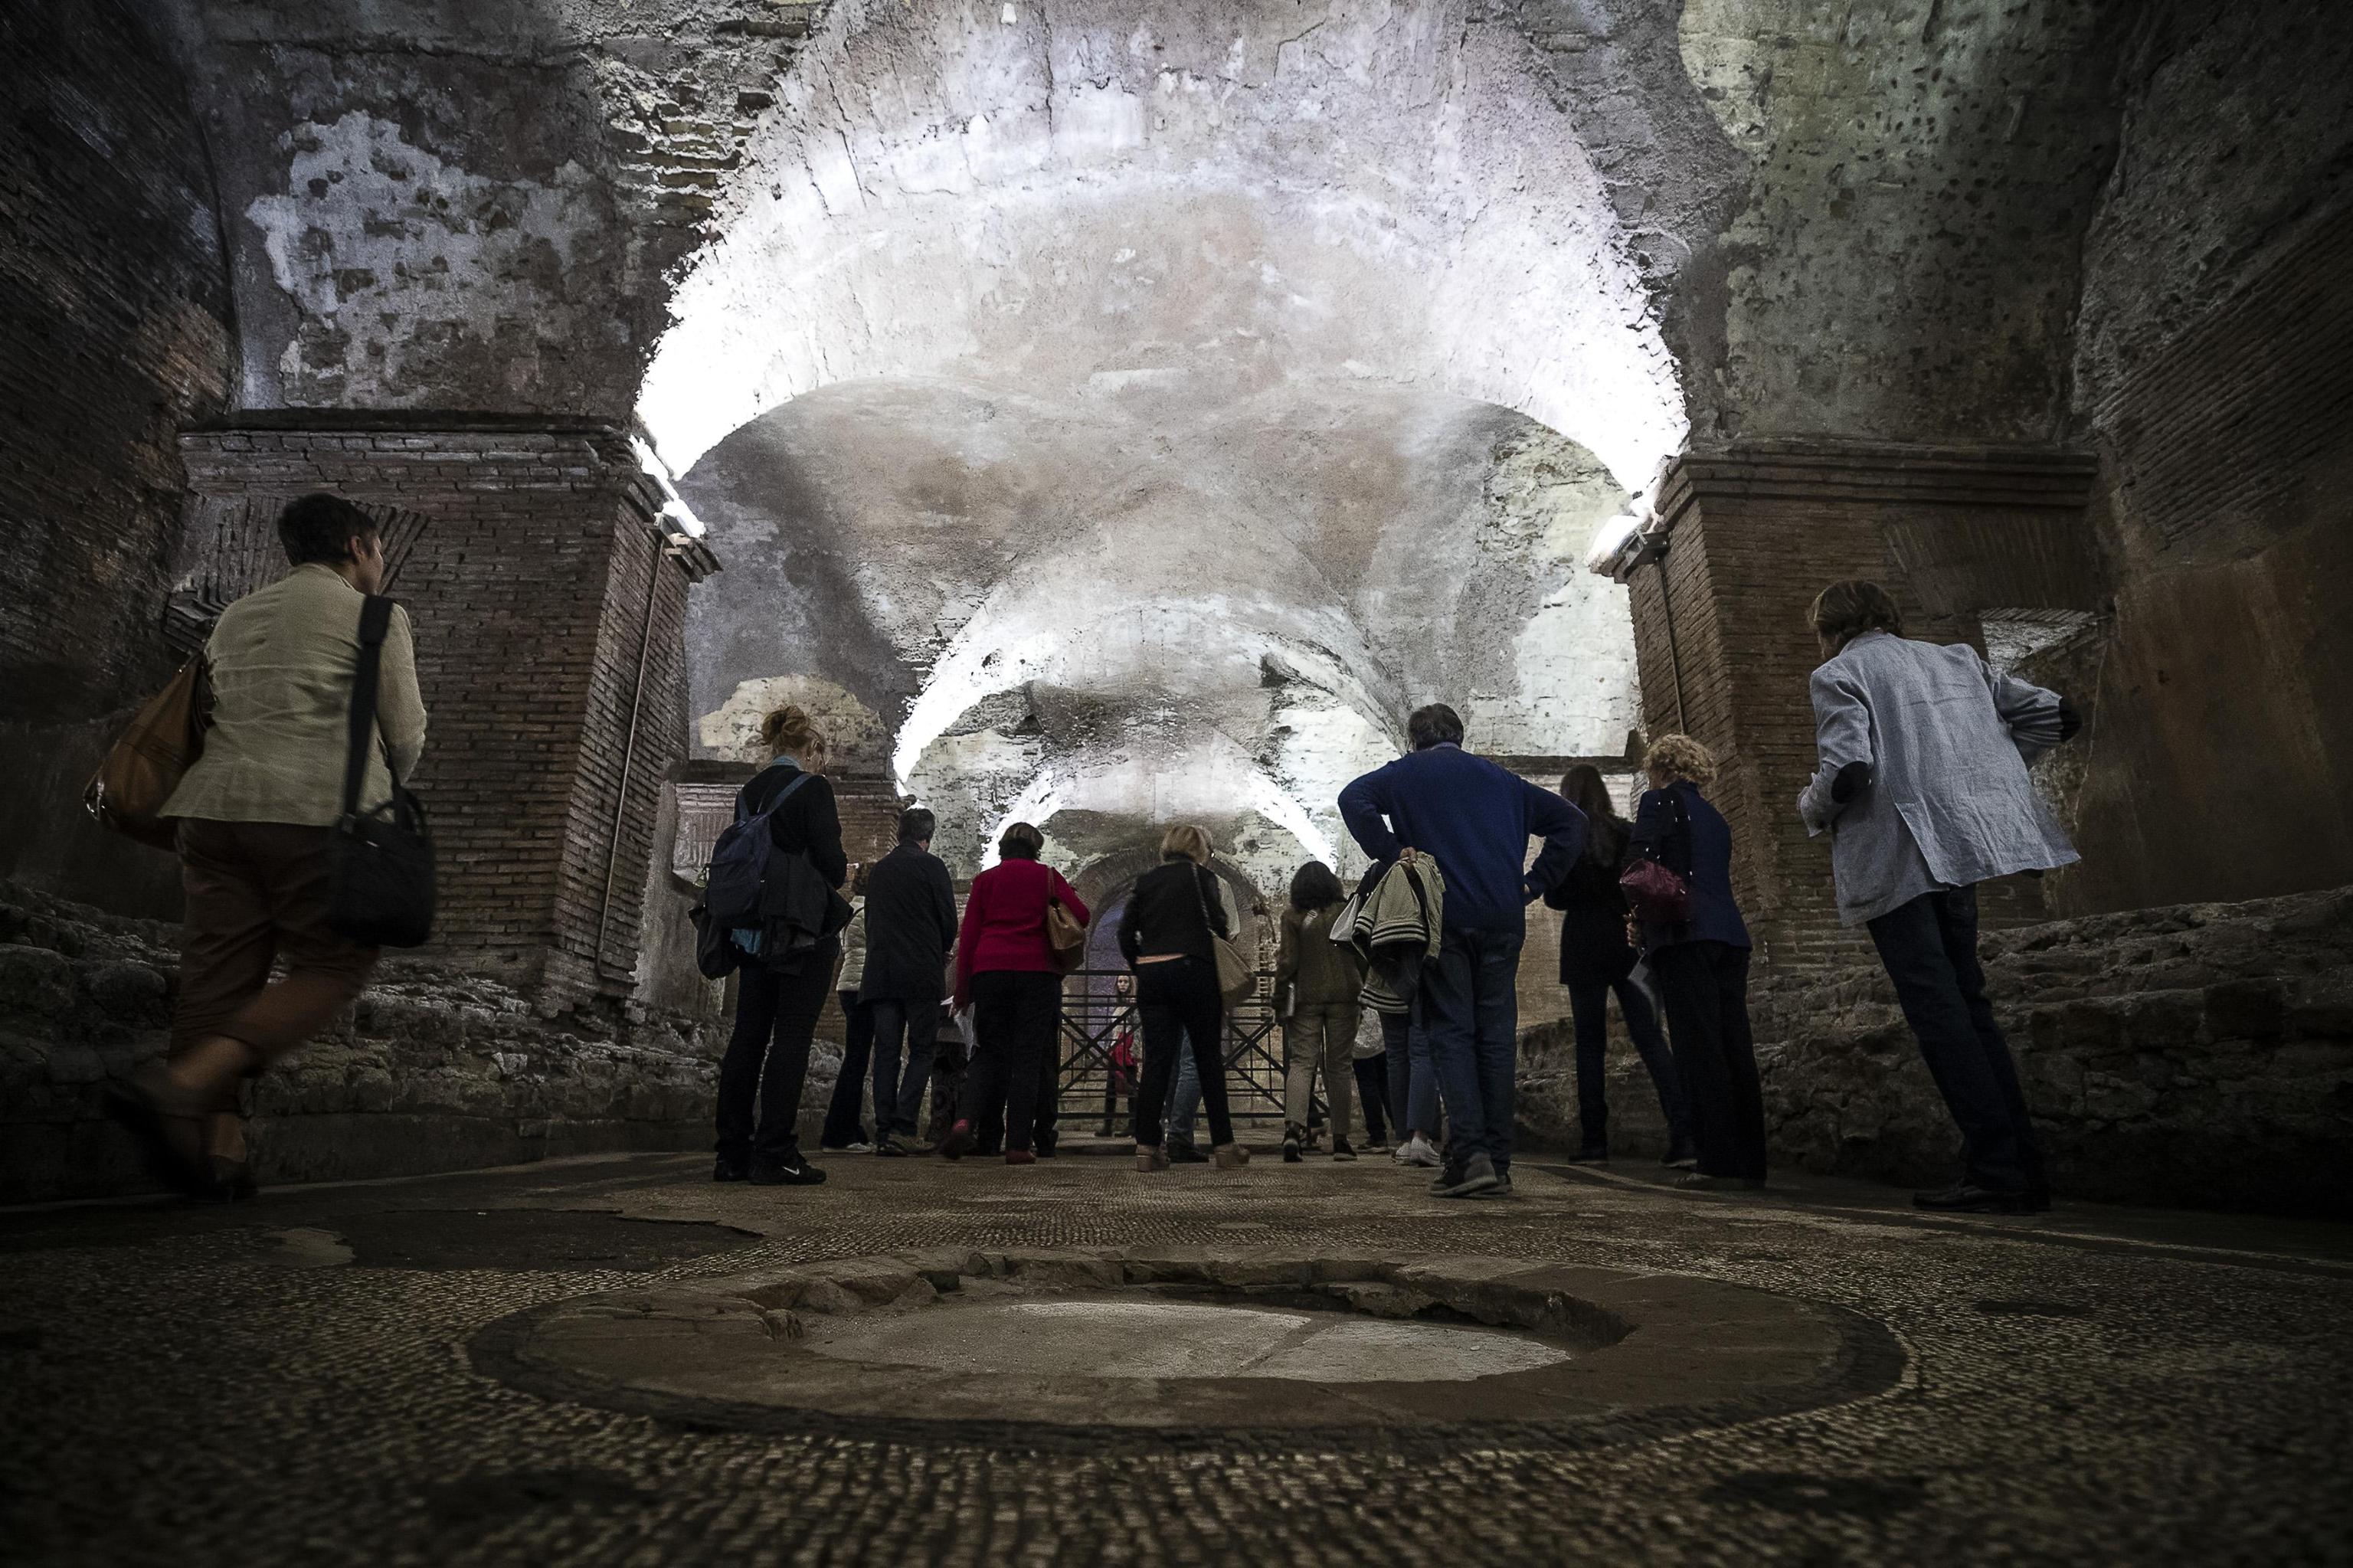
column 1293, row 1137
column 1592, row 1151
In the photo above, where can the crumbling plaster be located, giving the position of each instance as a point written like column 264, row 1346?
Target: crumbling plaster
column 1158, row 607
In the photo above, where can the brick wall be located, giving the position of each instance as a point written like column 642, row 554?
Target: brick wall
column 115, row 325
column 2227, row 468
column 540, row 586
column 1753, row 533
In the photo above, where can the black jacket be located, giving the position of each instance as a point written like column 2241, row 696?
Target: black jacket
column 807, row 829
column 1593, row 944
column 1165, row 913
column 808, row 821
column 1703, row 857
column 910, row 924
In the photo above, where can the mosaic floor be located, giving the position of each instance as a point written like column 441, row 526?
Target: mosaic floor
column 298, row 1380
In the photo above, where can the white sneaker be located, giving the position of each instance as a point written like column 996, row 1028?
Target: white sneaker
column 1418, row 1150
column 859, row 1148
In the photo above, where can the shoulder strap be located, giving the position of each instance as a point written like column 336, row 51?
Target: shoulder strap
column 375, row 619
column 1208, row 927
column 783, row 795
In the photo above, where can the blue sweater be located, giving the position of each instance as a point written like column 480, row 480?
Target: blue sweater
column 1476, row 820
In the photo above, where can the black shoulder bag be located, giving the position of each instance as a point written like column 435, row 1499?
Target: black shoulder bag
column 381, row 861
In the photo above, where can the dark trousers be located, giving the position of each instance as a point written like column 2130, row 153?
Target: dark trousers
column 1930, row 949
column 1705, row 988
column 1178, row 997
column 258, row 892
column 1588, row 1004
column 948, row 1067
column 1016, row 1014
column 899, row 1091
column 843, row 1125
column 1469, row 1007
column 1373, row 1093
column 767, row 1056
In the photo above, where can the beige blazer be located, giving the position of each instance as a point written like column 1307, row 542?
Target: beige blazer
column 281, row 662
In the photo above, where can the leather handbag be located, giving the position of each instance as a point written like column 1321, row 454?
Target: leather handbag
column 1065, row 938
column 1656, row 892
column 148, row 761
column 380, row 862
column 1236, row 978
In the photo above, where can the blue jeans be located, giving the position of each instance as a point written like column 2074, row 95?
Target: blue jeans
column 1184, row 1095
column 899, row 1094
column 1413, row 1086
column 1469, row 1010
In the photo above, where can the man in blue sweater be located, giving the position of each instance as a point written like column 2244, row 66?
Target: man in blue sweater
column 1475, row 820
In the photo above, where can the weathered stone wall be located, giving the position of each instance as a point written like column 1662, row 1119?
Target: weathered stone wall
column 2201, row 1054
column 115, row 330
column 2214, row 369
column 1903, row 262
column 469, row 207
column 431, row 1070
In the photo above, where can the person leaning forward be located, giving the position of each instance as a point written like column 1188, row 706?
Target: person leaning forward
column 256, row 813
column 1922, row 781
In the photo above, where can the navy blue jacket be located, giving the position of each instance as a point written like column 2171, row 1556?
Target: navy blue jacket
column 1705, row 862
column 1475, row 819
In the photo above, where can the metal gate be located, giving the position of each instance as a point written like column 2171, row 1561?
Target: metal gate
column 1094, row 1016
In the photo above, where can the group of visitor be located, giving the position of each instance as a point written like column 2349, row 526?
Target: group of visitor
column 310, row 718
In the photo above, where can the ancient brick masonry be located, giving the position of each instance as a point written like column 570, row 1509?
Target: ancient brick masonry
column 115, row 324
column 1751, row 535
column 548, row 600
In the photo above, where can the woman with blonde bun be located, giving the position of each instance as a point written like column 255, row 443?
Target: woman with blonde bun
column 778, row 1004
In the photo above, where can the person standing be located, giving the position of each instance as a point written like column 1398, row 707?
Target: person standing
column 779, row 997
column 1475, row 820
column 1120, row 1066
column 1167, row 938
column 255, row 812
column 845, row 1128
column 1006, row 971
column 1316, row 984
column 1921, row 780
column 910, row 925
column 1595, row 960
column 1702, row 962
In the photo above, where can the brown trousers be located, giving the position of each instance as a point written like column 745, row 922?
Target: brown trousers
column 256, row 893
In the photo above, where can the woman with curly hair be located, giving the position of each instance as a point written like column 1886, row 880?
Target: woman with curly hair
column 1702, row 963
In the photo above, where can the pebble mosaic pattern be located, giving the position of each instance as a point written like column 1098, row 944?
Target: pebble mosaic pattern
column 231, row 1386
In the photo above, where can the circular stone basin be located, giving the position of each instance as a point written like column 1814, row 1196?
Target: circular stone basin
column 1085, row 1346
column 1123, row 1338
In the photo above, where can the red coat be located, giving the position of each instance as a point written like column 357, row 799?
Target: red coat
column 1005, row 921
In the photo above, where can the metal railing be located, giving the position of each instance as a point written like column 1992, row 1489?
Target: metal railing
column 1094, row 1016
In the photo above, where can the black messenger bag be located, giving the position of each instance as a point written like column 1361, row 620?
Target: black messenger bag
column 381, row 861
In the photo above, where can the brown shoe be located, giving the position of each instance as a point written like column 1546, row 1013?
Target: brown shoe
column 1230, row 1156
column 1150, row 1159
column 1021, row 1157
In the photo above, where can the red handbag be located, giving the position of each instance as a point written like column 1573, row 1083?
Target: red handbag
column 1654, row 891
column 1656, row 895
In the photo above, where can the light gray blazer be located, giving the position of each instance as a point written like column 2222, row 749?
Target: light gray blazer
column 1947, row 741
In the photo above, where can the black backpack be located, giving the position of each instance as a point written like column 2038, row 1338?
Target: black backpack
column 734, row 888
